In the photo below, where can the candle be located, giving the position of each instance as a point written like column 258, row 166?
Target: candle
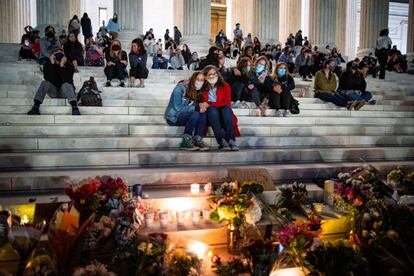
column 195, row 216
column 180, row 215
column 198, row 248
column 25, row 220
column 149, row 218
column 164, row 218
column 207, row 188
column 195, row 189
column 206, row 214
column 328, row 191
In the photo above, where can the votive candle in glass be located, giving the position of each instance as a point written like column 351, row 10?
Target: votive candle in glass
column 164, row 218
column 195, row 216
column 149, row 218
column 180, row 216
column 195, row 189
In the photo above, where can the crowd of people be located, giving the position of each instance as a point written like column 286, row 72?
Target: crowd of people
column 238, row 73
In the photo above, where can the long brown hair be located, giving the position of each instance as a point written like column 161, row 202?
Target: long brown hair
column 112, row 53
column 275, row 75
column 242, row 63
column 191, row 92
column 220, row 81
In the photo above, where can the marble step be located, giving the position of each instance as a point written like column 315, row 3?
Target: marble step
column 161, row 110
column 52, row 180
column 138, row 158
column 9, row 119
column 160, row 142
column 110, row 130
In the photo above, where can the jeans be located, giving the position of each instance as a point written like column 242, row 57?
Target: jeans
column 353, row 95
column 192, row 121
column 47, row 88
column 241, row 92
column 221, row 118
column 335, row 98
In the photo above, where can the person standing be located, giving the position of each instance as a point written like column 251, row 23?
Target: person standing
column 383, row 47
column 238, row 35
column 74, row 25
column 113, row 26
column 86, row 27
column 177, row 35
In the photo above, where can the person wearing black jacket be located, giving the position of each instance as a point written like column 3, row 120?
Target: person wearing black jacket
column 283, row 84
column 116, row 63
column 57, row 83
column 138, row 61
column 74, row 51
column 352, row 84
column 86, row 27
column 240, row 82
column 210, row 59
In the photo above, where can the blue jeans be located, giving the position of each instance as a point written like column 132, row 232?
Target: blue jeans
column 219, row 119
column 352, row 95
column 335, row 98
column 192, row 121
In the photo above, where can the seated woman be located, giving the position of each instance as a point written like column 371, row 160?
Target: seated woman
column 177, row 61
column 94, row 54
column 242, row 87
column 217, row 97
column 74, row 51
column 26, row 44
column 325, row 85
column 262, row 82
column 185, row 108
column 352, row 86
column 283, row 84
column 234, row 49
column 116, row 63
column 138, row 63
column 248, row 51
column 159, row 61
column 194, row 62
column 287, row 58
column 397, row 63
column 304, row 63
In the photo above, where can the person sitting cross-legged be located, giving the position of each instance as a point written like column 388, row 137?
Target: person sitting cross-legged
column 57, row 83
column 116, row 63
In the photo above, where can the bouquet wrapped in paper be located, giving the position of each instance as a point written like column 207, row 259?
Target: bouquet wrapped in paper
column 40, row 263
column 64, row 230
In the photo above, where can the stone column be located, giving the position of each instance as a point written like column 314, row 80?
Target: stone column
column 322, row 22
column 346, row 16
column 130, row 20
column 289, row 18
column 178, row 16
column 14, row 16
column 57, row 13
column 374, row 18
column 410, row 38
column 196, row 25
column 267, row 20
column 243, row 13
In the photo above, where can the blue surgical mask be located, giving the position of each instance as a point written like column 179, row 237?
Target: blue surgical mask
column 281, row 72
column 260, row 68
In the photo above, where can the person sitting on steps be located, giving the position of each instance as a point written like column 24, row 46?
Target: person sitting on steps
column 48, row 43
column 57, row 83
column 116, row 63
column 74, row 51
column 159, row 61
column 283, row 84
column 186, row 108
column 138, row 62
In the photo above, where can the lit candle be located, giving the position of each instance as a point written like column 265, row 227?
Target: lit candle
column 180, row 215
column 164, row 218
column 198, row 248
column 149, row 218
column 195, row 189
column 195, row 216
column 25, row 220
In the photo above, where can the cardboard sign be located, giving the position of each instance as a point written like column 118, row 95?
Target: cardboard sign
column 256, row 175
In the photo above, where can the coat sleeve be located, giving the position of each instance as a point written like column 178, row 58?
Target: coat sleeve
column 289, row 84
column 178, row 102
column 225, row 96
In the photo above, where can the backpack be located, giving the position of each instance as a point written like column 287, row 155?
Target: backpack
column 89, row 95
column 294, row 106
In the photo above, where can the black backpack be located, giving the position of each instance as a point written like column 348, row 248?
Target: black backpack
column 89, row 95
column 294, row 106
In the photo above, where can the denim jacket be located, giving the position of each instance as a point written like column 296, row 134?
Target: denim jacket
column 178, row 103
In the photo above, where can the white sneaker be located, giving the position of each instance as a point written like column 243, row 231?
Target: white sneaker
column 236, row 104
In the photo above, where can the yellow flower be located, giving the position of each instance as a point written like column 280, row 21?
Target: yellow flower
column 391, row 234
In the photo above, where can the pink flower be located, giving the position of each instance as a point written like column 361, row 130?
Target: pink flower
column 358, row 201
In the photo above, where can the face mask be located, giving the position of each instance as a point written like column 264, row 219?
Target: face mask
column 247, row 69
column 281, row 72
column 159, row 55
column 116, row 47
column 260, row 68
column 198, row 84
column 213, row 81
column 50, row 35
column 72, row 38
column 59, row 56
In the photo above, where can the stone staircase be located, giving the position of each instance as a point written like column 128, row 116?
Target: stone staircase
column 128, row 136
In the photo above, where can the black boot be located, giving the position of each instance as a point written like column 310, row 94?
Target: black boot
column 75, row 109
column 35, row 109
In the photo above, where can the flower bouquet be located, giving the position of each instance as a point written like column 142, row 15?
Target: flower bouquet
column 151, row 255
column 293, row 198
column 181, row 262
column 401, row 181
column 24, row 239
column 93, row 269
column 261, row 255
column 40, row 264
column 112, row 192
column 233, row 267
column 64, row 230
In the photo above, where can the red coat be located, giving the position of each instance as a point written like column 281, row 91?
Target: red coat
column 224, row 99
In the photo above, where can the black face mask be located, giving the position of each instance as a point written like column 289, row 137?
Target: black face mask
column 159, row 55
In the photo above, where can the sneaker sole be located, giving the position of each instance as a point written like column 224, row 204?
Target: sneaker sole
column 204, row 149
column 190, row 149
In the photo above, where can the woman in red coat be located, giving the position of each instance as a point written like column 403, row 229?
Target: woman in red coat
column 219, row 114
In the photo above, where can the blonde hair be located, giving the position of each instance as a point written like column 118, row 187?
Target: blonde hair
column 112, row 53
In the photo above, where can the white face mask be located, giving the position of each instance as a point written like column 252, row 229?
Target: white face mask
column 198, row 84
column 213, row 81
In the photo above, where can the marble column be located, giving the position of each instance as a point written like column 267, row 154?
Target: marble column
column 346, row 16
column 243, row 13
column 322, row 22
column 374, row 18
column 267, row 20
column 130, row 19
column 289, row 18
column 196, row 25
column 410, row 38
column 57, row 13
column 178, row 16
column 14, row 16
